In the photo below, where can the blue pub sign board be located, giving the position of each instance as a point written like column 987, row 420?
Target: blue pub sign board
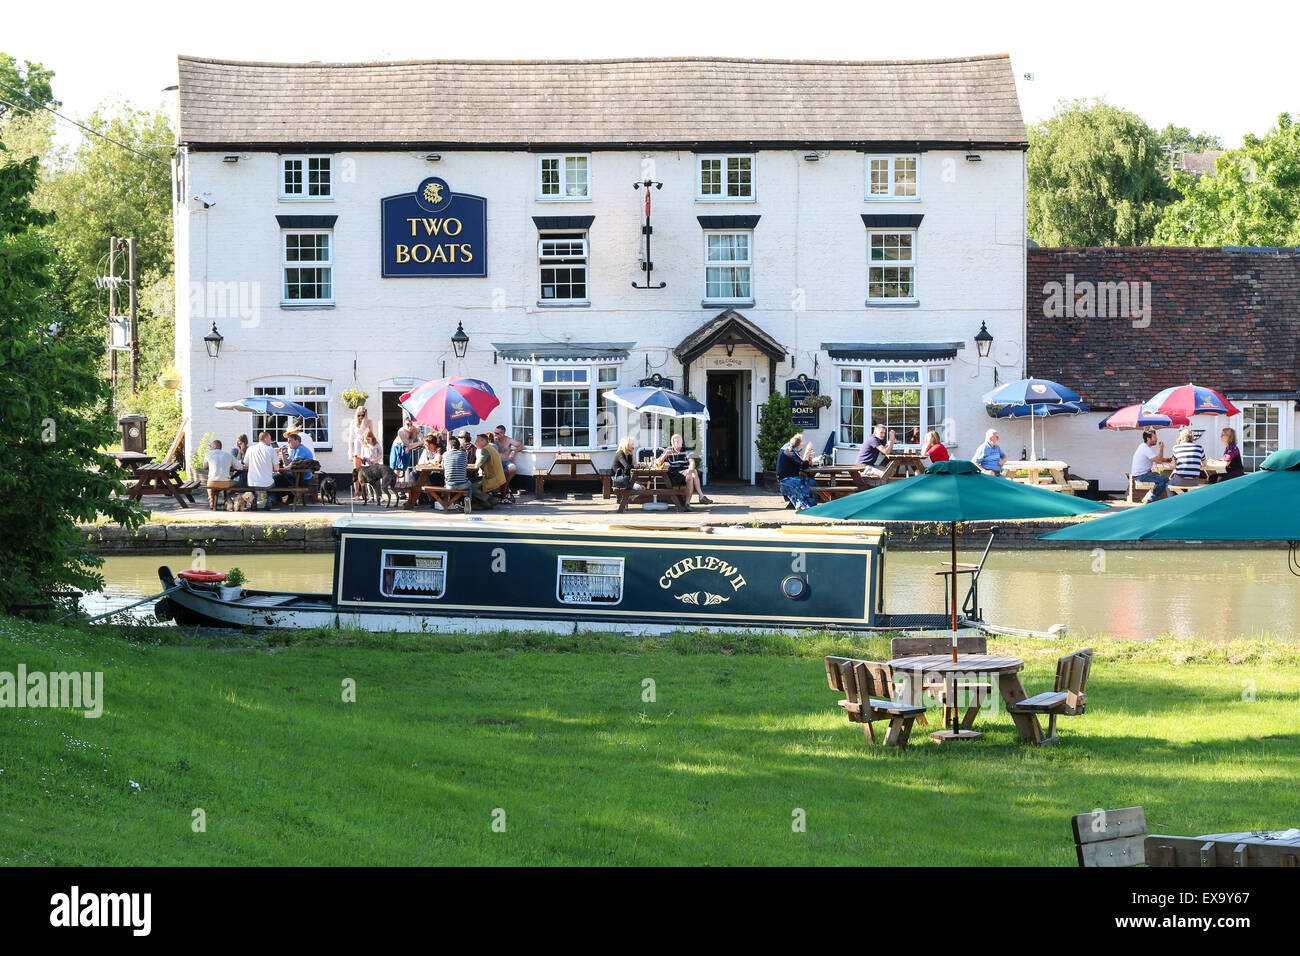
column 799, row 389
column 434, row 233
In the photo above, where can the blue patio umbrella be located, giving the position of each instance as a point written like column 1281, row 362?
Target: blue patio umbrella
column 659, row 401
column 267, row 405
column 1036, row 411
column 1031, row 391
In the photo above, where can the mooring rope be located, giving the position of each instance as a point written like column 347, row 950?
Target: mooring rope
column 127, row 607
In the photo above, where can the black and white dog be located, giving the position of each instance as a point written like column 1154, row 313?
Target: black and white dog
column 329, row 492
column 382, row 481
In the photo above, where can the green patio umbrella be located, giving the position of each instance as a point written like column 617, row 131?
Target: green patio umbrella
column 953, row 491
column 1264, row 506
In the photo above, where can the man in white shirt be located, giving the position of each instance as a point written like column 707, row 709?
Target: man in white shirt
column 1145, row 458
column 219, row 463
column 262, row 461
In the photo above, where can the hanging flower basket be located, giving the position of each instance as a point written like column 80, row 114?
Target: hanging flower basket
column 354, row 398
column 818, row 401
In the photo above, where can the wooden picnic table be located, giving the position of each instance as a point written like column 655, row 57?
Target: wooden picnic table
column 573, row 462
column 902, row 465
column 655, row 485
column 159, row 479
column 1044, row 473
column 1006, row 669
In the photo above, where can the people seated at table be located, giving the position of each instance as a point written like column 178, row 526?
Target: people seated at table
column 220, row 465
column 506, row 447
column 989, row 457
column 491, row 470
column 620, row 473
column 418, row 475
column 299, row 428
column 1189, row 456
column 1145, row 457
column 681, row 470
column 875, row 450
column 284, row 475
column 1231, row 460
column 793, row 475
column 934, row 449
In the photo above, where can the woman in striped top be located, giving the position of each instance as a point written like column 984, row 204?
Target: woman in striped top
column 1188, row 458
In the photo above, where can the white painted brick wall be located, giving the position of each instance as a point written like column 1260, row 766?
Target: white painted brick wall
column 810, row 237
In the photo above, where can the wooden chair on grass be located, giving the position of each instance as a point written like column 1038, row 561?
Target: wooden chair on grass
column 868, row 689
column 935, row 686
column 1068, row 695
column 1110, row 837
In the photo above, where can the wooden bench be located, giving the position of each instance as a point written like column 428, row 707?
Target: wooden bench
column 1068, row 695
column 869, row 695
column 832, row 492
column 1134, row 486
column 1110, row 837
column 444, row 496
column 635, row 496
column 1198, row 851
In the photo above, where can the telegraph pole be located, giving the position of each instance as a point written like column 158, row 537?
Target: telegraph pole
column 135, row 339
column 112, row 314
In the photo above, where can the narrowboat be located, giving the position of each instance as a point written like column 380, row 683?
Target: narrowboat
column 413, row 574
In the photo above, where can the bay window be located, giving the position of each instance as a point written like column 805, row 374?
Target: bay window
column 909, row 401
column 564, row 407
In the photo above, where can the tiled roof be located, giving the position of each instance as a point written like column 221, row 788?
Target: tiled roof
column 598, row 103
column 1198, row 164
column 1226, row 318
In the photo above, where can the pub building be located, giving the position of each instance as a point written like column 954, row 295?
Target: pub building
column 728, row 228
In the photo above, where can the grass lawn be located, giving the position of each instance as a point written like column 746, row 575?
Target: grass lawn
column 552, row 736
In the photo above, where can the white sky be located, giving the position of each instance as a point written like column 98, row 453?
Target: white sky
column 1206, row 70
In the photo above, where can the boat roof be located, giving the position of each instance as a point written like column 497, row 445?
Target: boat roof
column 870, row 533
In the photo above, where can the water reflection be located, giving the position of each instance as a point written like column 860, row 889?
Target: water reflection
column 1212, row 594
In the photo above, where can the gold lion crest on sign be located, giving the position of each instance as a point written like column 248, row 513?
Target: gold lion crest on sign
column 433, row 193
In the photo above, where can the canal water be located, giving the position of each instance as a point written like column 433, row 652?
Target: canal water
column 1211, row 594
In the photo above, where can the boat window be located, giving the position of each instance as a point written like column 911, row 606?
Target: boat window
column 414, row 574
column 589, row 580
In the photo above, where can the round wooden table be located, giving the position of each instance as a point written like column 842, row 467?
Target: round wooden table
column 1006, row 669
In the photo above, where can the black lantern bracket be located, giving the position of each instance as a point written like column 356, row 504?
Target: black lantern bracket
column 647, row 230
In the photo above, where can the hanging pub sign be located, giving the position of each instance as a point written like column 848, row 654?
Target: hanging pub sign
column 799, row 390
column 434, row 233
column 657, row 381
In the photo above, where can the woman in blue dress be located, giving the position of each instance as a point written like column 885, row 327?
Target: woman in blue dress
column 791, row 464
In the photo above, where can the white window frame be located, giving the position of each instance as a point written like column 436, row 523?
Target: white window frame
column 733, row 264
column 930, row 377
column 725, row 158
column 565, row 186
column 545, row 260
column 891, row 168
column 1284, row 409
column 528, row 381
column 302, row 195
column 285, row 265
column 319, row 442
column 604, row 559
column 383, row 566
column 892, row 264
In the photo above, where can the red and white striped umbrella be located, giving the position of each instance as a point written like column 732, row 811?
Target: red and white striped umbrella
column 1188, row 400
column 451, row 403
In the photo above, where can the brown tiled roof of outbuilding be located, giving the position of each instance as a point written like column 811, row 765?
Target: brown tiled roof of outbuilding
column 1227, row 317
column 601, row 103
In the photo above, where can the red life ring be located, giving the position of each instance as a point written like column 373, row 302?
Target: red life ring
column 202, row 577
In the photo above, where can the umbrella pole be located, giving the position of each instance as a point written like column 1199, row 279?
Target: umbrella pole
column 953, row 702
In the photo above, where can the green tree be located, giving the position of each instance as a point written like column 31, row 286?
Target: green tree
column 105, row 190
column 774, row 430
column 24, row 89
column 53, row 412
column 1095, row 177
column 1182, row 139
column 1251, row 199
